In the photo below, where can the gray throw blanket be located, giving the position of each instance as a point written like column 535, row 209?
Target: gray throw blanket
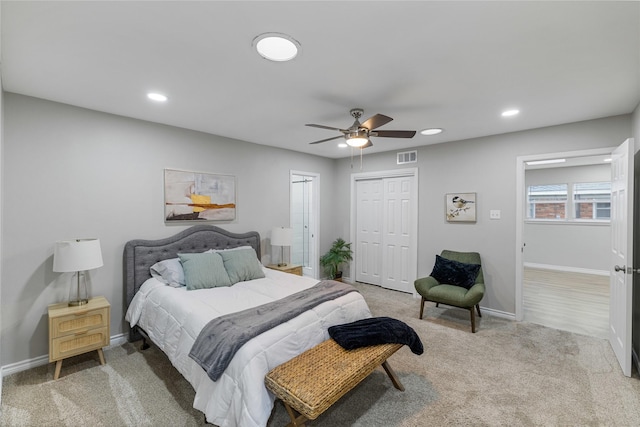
column 219, row 340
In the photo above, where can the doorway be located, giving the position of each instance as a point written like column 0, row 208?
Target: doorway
column 621, row 242
column 567, row 233
column 521, row 210
column 304, row 202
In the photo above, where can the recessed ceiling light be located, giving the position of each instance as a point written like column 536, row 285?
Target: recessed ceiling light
column 157, row 97
column 276, row 46
column 343, row 145
column 609, row 159
column 509, row 113
column 431, row 131
column 546, row 162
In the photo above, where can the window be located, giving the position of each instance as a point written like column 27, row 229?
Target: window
column 547, row 201
column 591, row 201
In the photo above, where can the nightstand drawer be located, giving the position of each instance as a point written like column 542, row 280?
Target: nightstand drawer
column 296, row 270
column 291, row 269
column 82, row 341
column 79, row 321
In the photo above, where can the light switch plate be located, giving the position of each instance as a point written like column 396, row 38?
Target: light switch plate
column 494, row 214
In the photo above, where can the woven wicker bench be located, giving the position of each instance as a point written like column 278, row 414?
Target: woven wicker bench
column 313, row 381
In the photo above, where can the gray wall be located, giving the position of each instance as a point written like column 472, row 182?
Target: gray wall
column 71, row 172
column 562, row 244
column 486, row 166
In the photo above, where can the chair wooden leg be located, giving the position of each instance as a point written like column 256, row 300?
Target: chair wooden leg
column 473, row 320
column 422, row 307
column 478, row 308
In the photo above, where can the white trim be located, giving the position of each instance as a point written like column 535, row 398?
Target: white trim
column 521, row 206
column 567, row 269
column 23, row 365
column 393, row 173
column 497, row 313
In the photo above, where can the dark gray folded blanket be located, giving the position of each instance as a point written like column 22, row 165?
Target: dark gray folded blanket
column 376, row 330
column 219, row 340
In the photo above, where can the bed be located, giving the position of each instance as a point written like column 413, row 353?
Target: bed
column 172, row 317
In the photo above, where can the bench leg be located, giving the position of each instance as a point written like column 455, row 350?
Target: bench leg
column 296, row 420
column 394, row 379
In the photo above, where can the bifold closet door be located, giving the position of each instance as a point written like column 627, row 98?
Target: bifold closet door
column 383, row 227
column 367, row 250
column 396, row 238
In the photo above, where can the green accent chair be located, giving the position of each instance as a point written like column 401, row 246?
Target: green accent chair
column 457, row 296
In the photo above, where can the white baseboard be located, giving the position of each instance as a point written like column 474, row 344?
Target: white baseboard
column 23, row 365
column 567, row 269
column 498, row 313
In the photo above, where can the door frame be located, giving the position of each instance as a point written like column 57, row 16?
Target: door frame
column 314, row 259
column 393, row 173
column 521, row 209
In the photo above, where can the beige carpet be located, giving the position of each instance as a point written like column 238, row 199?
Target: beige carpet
column 507, row 374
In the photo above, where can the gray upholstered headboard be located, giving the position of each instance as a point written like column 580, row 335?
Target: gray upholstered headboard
column 140, row 255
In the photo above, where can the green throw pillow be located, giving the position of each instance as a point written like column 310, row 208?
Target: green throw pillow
column 204, row 270
column 242, row 265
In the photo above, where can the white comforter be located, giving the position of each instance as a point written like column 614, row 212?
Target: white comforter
column 173, row 317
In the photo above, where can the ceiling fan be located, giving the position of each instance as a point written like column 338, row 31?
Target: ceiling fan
column 357, row 135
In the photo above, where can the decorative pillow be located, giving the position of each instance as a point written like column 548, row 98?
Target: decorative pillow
column 204, row 270
column 242, row 265
column 169, row 272
column 454, row 272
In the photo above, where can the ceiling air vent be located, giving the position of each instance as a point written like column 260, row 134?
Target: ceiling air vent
column 407, row 157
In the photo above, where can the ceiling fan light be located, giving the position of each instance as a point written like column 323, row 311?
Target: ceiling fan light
column 357, row 139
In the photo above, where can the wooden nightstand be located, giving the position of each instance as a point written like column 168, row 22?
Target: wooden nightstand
column 289, row 268
column 77, row 330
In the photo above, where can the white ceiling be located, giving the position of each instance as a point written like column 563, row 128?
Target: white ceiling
column 454, row 65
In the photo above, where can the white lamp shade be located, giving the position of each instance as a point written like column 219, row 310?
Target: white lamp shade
column 281, row 236
column 77, row 255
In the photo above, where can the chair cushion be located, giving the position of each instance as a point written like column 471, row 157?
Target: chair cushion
column 455, row 273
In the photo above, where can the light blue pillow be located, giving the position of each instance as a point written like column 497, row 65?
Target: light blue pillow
column 204, row 270
column 169, row 272
column 242, row 265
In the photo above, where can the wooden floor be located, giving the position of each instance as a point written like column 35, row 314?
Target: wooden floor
column 574, row 302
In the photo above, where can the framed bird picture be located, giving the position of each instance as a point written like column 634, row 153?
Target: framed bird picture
column 460, row 207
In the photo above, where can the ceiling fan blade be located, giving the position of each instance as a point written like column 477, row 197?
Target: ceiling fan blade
column 395, row 133
column 376, row 121
column 325, row 140
column 325, row 127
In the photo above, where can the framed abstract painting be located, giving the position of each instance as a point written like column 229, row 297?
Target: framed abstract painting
column 197, row 196
column 460, row 207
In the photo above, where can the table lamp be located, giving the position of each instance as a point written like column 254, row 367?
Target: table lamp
column 281, row 236
column 77, row 255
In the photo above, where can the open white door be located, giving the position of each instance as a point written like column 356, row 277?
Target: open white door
column 621, row 273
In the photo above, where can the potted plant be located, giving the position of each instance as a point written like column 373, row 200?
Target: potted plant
column 339, row 253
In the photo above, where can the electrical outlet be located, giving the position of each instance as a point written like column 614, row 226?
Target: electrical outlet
column 494, row 214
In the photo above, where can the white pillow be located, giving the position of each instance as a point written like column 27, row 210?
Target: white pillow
column 169, row 272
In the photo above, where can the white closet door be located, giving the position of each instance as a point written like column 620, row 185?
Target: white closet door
column 369, row 229
column 396, row 234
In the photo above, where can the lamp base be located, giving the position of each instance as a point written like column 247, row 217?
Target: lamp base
column 78, row 302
